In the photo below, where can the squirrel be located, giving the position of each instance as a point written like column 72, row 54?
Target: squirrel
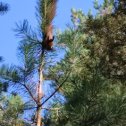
column 48, row 38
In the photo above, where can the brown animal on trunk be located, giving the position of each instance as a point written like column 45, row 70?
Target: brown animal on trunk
column 48, row 38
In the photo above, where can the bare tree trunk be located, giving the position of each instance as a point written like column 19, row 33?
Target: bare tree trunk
column 39, row 118
column 40, row 92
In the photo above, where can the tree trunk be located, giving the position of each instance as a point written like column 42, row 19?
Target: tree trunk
column 40, row 92
column 39, row 118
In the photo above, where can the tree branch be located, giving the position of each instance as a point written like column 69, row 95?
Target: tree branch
column 29, row 93
column 57, row 89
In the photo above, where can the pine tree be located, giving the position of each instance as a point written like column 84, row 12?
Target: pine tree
column 10, row 111
column 95, row 88
column 29, row 76
column 110, row 46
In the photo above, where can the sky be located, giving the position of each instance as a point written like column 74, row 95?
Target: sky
column 25, row 9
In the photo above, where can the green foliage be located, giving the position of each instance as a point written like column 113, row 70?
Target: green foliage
column 110, row 43
column 95, row 87
column 9, row 73
column 15, row 106
column 91, row 76
column 11, row 109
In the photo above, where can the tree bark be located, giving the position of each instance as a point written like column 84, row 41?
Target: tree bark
column 39, row 118
column 40, row 92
